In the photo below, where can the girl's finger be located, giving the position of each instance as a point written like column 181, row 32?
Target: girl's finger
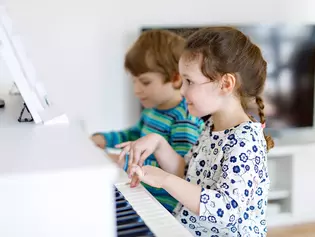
column 122, row 145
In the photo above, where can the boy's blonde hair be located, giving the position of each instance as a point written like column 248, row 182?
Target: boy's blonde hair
column 155, row 51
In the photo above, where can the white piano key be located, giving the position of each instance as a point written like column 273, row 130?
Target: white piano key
column 155, row 216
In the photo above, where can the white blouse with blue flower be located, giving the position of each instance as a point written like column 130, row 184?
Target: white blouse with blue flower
column 231, row 168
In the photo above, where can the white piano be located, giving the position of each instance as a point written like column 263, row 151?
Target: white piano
column 54, row 182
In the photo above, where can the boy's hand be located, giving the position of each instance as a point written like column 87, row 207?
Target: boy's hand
column 140, row 149
column 150, row 175
column 99, row 141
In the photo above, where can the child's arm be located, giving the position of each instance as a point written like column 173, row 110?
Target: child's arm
column 228, row 197
column 115, row 137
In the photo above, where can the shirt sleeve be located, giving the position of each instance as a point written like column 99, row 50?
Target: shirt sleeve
column 115, row 137
column 184, row 134
column 242, row 172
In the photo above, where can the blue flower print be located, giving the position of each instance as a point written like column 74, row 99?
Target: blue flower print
column 217, row 195
column 220, row 142
column 225, row 168
column 231, row 137
column 252, row 208
column 260, row 203
column 233, row 159
column 243, row 157
column 202, row 218
column 233, row 229
column 242, row 144
column 256, row 168
column 259, row 191
column 234, row 204
column 250, row 183
column 257, row 160
column 198, row 233
column 247, row 127
column 232, row 181
column 215, row 137
column 185, row 213
column 215, row 230
column 240, row 220
column 226, row 131
column 247, row 167
column 192, row 219
column 256, row 230
column 232, row 218
column 215, row 152
column 255, row 149
column 246, row 216
column 226, row 148
column 212, row 219
column 246, row 192
column 263, row 222
column 204, row 198
column 188, row 179
column 224, row 175
column 191, row 226
column 215, row 167
column 220, row 212
column 184, row 221
column 202, row 163
column 236, row 169
column 225, row 186
column 212, row 145
column 261, row 174
column 228, row 206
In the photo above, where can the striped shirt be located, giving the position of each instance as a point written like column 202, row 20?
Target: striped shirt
column 176, row 125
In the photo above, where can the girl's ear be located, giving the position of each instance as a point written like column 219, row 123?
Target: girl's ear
column 176, row 81
column 228, row 82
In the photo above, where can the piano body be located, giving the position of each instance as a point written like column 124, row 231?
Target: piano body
column 55, row 182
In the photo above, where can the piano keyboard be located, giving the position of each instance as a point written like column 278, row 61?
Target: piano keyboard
column 129, row 223
column 139, row 214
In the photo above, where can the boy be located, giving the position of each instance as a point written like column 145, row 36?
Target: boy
column 152, row 62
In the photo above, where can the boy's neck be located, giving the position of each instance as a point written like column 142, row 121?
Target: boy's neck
column 231, row 116
column 171, row 103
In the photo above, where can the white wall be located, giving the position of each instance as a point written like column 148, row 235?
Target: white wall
column 78, row 46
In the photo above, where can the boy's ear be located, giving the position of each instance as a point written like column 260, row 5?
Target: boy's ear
column 176, row 81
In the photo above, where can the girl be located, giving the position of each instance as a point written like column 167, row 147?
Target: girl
column 226, row 186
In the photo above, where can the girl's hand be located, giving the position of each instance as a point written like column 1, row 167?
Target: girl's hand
column 140, row 149
column 150, row 175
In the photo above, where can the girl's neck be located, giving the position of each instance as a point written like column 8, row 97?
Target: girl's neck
column 230, row 116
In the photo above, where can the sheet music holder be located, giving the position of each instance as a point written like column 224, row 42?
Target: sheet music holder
column 37, row 103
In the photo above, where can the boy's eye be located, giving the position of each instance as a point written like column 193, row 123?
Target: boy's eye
column 146, row 83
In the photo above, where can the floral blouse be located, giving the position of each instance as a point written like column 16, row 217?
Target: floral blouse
column 231, row 168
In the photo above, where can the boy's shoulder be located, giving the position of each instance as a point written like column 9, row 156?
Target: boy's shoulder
column 180, row 114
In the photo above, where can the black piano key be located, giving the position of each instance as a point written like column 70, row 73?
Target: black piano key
column 136, row 232
column 128, row 219
column 129, row 223
column 126, row 213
